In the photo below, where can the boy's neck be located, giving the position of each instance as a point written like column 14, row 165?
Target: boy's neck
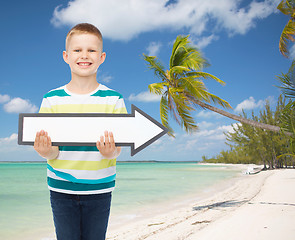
column 82, row 85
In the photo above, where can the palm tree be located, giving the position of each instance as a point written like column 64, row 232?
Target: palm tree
column 287, row 7
column 288, row 82
column 182, row 88
column 287, row 117
column 288, row 124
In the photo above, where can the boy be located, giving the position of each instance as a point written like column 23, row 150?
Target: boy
column 81, row 179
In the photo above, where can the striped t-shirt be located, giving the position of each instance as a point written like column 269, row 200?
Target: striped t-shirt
column 80, row 169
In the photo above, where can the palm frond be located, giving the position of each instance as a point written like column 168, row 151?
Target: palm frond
column 184, row 54
column 157, row 88
column 193, row 59
column 288, row 87
column 164, row 115
column 178, row 44
column 205, row 75
column 286, row 7
column 181, row 70
column 219, row 101
column 195, row 88
column 288, row 82
column 287, row 118
column 155, row 65
column 286, row 36
column 183, row 110
column 172, row 107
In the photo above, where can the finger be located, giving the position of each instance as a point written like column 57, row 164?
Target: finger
column 98, row 145
column 41, row 142
column 45, row 140
column 101, row 141
column 37, row 140
column 112, row 138
column 49, row 143
column 106, row 140
column 112, row 141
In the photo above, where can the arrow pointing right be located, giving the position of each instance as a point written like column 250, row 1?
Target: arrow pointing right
column 144, row 130
column 137, row 130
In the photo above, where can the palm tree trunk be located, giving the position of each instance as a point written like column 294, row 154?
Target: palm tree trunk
column 238, row 118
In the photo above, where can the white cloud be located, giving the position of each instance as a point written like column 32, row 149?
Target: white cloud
column 205, row 125
column 9, row 139
column 105, row 78
column 251, row 103
column 216, row 134
column 4, row 98
column 204, row 139
column 125, row 19
column 8, row 144
column 144, row 97
column 10, row 150
column 18, row 105
column 229, row 128
column 204, row 41
column 153, row 48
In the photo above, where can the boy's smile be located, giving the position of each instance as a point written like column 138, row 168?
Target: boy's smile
column 84, row 65
column 84, row 55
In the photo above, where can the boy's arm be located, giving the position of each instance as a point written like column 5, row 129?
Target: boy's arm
column 106, row 146
column 43, row 146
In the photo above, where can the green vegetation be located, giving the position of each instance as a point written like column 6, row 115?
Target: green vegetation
column 288, row 113
column 254, row 145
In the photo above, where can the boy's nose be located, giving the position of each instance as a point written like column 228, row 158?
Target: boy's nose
column 84, row 54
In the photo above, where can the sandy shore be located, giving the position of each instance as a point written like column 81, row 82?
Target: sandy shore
column 260, row 206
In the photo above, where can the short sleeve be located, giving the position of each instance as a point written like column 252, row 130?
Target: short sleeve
column 45, row 106
column 120, row 106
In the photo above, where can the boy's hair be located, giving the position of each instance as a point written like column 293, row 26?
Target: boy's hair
column 84, row 28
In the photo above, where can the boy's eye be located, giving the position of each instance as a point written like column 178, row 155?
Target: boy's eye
column 77, row 50
column 92, row 50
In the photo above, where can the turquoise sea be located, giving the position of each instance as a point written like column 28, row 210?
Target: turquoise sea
column 24, row 198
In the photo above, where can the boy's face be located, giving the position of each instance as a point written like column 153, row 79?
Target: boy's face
column 84, row 55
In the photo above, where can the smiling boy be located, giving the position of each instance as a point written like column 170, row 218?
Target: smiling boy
column 81, row 179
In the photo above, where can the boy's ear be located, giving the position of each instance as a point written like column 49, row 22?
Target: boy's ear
column 102, row 57
column 65, row 56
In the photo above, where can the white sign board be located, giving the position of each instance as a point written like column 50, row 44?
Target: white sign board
column 137, row 129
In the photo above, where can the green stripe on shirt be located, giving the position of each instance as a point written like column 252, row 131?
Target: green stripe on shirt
column 59, row 93
column 106, row 93
column 54, row 183
column 78, row 148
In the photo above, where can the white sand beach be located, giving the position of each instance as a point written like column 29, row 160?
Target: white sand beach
column 256, row 207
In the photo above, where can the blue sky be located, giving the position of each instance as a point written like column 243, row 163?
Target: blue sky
column 239, row 39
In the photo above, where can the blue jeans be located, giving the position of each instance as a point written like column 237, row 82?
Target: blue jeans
column 80, row 217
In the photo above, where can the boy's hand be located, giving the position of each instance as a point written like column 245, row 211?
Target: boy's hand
column 43, row 146
column 106, row 146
